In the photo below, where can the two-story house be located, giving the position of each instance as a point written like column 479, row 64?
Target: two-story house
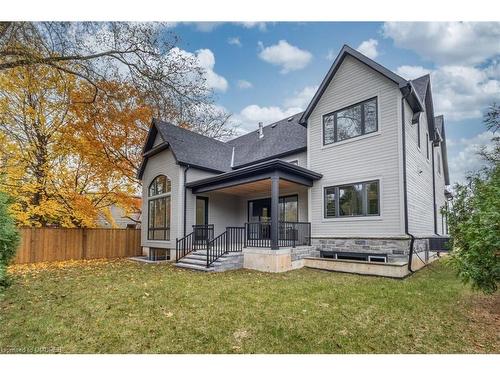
column 353, row 183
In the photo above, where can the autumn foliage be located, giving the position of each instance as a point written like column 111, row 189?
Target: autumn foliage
column 66, row 160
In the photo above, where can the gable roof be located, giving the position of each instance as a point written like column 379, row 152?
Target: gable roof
column 188, row 148
column 348, row 51
column 420, row 84
column 280, row 138
column 195, row 149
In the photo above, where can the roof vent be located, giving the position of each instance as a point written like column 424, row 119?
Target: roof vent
column 261, row 130
column 290, row 119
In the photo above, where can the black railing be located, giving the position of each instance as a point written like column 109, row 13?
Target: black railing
column 231, row 240
column 258, row 234
column 293, row 234
column 290, row 234
column 183, row 246
column 202, row 235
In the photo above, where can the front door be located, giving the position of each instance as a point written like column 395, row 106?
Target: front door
column 201, row 210
column 202, row 232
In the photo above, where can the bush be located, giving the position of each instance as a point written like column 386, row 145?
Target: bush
column 474, row 225
column 9, row 239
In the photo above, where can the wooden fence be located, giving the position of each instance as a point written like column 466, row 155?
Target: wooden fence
column 53, row 244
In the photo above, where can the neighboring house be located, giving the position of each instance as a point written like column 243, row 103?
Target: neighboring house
column 359, row 177
column 117, row 217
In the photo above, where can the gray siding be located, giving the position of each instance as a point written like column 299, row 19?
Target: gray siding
column 419, row 177
column 440, row 197
column 301, row 157
column 163, row 163
column 374, row 156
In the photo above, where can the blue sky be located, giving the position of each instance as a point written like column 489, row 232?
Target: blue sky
column 267, row 71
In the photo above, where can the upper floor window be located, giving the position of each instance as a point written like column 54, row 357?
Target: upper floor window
column 439, row 162
column 427, row 144
column 159, row 209
column 416, row 120
column 359, row 199
column 350, row 122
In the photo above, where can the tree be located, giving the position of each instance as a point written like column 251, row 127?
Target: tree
column 67, row 163
column 76, row 101
column 474, row 219
column 9, row 239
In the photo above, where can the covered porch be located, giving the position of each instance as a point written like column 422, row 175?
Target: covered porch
column 263, row 206
column 268, row 200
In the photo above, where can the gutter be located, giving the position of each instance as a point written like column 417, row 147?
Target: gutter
column 185, row 197
column 409, row 87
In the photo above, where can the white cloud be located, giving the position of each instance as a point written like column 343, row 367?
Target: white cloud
column 285, row 55
column 249, row 25
column 331, row 55
column 301, row 98
column 207, row 27
column 244, row 84
column 250, row 116
column 235, row 41
column 467, row 160
column 369, row 48
column 459, row 92
column 447, row 42
column 206, row 60
column 411, row 71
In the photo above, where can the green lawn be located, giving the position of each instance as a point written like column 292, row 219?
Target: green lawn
column 125, row 307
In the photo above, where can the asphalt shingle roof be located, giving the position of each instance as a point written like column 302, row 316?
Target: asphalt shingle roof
column 420, row 85
column 196, row 149
column 282, row 137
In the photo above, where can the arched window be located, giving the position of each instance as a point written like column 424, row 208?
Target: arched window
column 159, row 209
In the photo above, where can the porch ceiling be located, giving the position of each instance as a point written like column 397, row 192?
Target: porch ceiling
column 256, row 174
column 262, row 186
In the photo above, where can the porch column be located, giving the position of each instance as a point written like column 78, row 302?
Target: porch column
column 275, row 209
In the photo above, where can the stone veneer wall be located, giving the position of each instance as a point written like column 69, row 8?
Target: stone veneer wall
column 397, row 249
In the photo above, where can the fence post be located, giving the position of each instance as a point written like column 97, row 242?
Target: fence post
column 84, row 243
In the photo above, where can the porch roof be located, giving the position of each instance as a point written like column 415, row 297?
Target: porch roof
column 279, row 168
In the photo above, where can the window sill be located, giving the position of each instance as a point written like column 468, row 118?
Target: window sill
column 350, row 140
column 352, row 219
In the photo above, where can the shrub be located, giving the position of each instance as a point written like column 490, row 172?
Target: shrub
column 9, row 238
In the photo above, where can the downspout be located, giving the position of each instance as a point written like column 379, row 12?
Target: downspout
column 185, row 197
column 405, row 184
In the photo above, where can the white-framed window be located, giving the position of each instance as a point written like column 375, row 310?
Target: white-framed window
column 350, row 122
column 159, row 192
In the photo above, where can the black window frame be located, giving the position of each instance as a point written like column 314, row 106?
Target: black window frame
column 427, row 145
column 363, row 130
column 205, row 214
column 155, row 197
column 281, row 200
column 364, row 200
column 418, row 132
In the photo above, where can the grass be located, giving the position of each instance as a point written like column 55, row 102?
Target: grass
column 125, row 307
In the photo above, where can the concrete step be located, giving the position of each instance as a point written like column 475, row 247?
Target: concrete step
column 194, row 267
column 191, row 260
